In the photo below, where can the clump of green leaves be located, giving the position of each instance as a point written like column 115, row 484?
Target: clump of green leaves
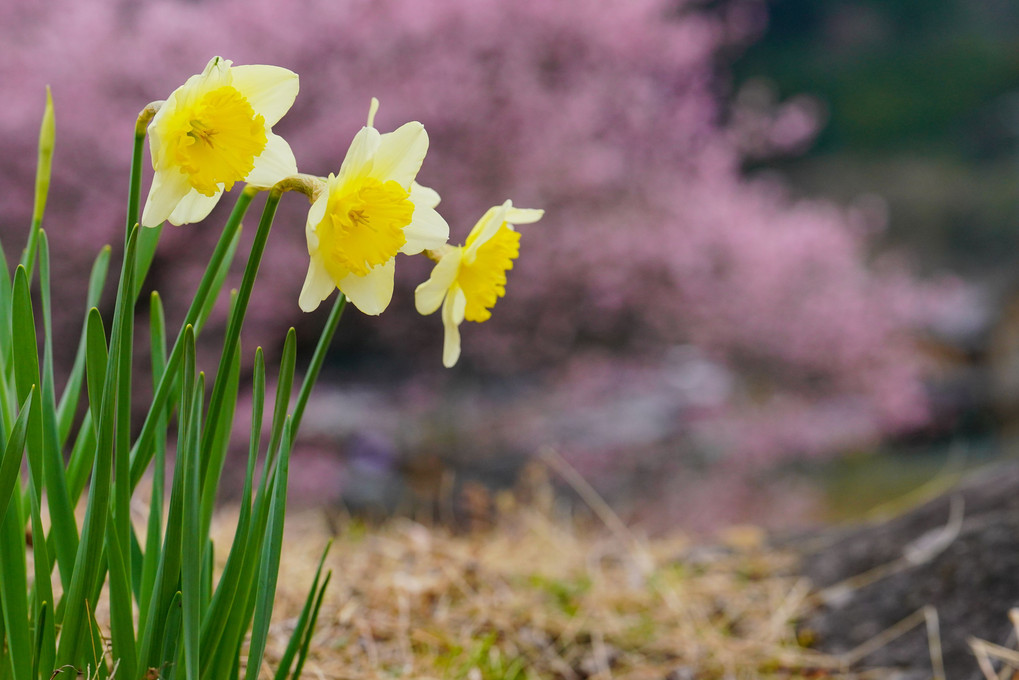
column 169, row 616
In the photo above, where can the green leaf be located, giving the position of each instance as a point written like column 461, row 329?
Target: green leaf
column 142, row 452
column 268, row 570
column 87, row 565
column 296, row 638
column 168, row 573
column 311, row 375
column 223, row 614
column 220, row 387
column 47, row 140
column 157, row 336
column 306, row 644
column 72, row 390
column 10, row 464
column 64, row 533
column 121, row 611
column 191, row 564
column 14, row 588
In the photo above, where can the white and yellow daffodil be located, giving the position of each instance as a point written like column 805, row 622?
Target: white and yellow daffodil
column 367, row 213
column 468, row 280
column 216, row 130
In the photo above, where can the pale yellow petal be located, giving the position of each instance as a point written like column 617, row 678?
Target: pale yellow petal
column 423, row 196
column 427, row 230
column 275, row 162
column 360, row 154
column 315, row 215
column 167, row 190
column 486, row 228
column 271, row 90
column 194, row 207
column 430, row 294
column 400, row 154
column 523, row 215
column 372, row 292
column 452, row 316
column 317, row 286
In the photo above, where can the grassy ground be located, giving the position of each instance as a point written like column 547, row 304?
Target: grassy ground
column 531, row 595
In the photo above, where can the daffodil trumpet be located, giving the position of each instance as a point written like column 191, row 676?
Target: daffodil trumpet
column 468, row 280
column 213, row 131
column 368, row 212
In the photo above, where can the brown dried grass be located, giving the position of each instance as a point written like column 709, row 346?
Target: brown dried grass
column 533, row 595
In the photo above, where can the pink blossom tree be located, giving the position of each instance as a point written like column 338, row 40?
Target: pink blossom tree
column 609, row 115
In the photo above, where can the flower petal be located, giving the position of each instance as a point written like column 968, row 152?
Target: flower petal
column 194, row 207
column 315, row 215
column 372, row 292
column 423, row 196
column 523, row 215
column 430, row 294
column 452, row 317
column 276, row 162
column 400, row 154
column 317, row 286
column 271, row 90
column 427, row 230
column 167, row 190
column 486, row 228
column 361, row 151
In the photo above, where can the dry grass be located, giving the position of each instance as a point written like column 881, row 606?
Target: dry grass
column 532, row 596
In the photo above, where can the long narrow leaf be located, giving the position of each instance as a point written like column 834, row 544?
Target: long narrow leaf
column 10, row 464
column 221, row 614
column 283, row 667
column 64, row 533
column 268, row 569
column 142, row 451
column 72, row 390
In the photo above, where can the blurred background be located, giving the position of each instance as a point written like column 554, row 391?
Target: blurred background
column 774, row 281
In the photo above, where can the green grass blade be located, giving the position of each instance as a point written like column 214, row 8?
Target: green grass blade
column 96, row 360
column 169, row 651
column 283, row 390
column 142, row 452
column 43, row 171
column 283, row 667
column 315, row 367
column 168, row 572
column 148, row 240
column 72, row 390
column 236, row 321
column 6, row 369
column 212, row 464
column 64, row 531
column 310, row 631
column 217, row 283
column 191, row 563
column 86, row 571
column 268, row 569
column 222, row 605
column 14, row 588
column 157, row 338
column 10, row 464
column 121, row 611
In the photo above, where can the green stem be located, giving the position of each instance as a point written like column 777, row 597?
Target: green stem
column 142, row 452
column 233, row 329
column 311, row 376
column 134, row 190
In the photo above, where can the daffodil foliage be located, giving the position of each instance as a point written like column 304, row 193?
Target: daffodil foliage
column 170, row 614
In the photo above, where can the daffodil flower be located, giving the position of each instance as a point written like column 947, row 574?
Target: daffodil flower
column 216, row 130
column 468, row 280
column 367, row 213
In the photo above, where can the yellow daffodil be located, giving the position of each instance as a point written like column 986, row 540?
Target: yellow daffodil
column 216, row 130
column 468, row 280
column 366, row 214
